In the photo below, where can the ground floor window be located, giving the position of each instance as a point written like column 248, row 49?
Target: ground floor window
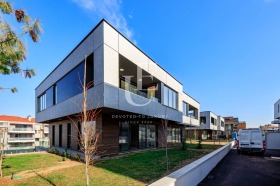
column 174, row 135
column 137, row 136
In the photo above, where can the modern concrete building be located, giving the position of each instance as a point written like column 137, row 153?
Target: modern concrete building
column 22, row 134
column 132, row 91
column 211, row 125
column 232, row 124
column 277, row 113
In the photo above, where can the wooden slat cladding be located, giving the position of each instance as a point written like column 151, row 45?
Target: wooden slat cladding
column 109, row 139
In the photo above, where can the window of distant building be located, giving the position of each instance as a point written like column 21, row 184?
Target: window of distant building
column 202, row 120
column 213, row 121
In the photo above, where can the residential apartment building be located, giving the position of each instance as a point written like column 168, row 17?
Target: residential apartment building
column 242, row 125
column 134, row 95
column 276, row 113
column 232, row 124
column 42, row 135
column 19, row 135
column 211, row 125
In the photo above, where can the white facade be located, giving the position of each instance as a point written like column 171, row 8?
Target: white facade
column 17, row 135
column 21, row 134
column 277, row 113
column 211, row 120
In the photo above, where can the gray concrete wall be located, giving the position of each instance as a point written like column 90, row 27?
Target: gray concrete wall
column 195, row 172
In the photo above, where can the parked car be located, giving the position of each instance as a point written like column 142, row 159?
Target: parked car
column 251, row 140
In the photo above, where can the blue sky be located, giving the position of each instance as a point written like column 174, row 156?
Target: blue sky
column 226, row 53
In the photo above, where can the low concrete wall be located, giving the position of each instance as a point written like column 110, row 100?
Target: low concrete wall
column 195, row 172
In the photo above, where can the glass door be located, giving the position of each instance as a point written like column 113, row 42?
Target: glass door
column 124, row 136
column 142, row 136
column 151, row 136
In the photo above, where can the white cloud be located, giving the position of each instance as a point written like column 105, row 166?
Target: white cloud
column 111, row 11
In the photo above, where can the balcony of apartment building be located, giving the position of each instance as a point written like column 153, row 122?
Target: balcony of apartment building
column 190, row 115
column 213, row 123
column 20, row 146
column 3, row 125
column 221, row 125
column 21, row 138
column 46, row 129
column 142, row 93
column 21, row 128
column 137, row 81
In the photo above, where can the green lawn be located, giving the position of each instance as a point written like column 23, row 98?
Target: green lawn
column 15, row 164
column 135, row 169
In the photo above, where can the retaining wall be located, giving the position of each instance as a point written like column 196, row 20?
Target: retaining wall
column 194, row 173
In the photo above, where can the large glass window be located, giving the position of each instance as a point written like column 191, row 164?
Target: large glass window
column 124, row 137
column 174, row 135
column 170, row 98
column 70, row 85
column 42, row 102
column 151, row 136
column 50, row 97
column 185, row 108
column 142, row 136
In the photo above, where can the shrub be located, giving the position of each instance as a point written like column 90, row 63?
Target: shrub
column 53, row 150
column 199, row 146
column 78, row 156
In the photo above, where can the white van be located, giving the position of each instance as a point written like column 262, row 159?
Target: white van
column 251, row 140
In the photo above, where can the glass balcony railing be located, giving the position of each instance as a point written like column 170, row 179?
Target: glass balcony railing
column 142, row 94
column 21, row 147
column 21, row 139
column 21, row 129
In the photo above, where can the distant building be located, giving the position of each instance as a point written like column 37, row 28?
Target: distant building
column 211, row 127
column 242, row 125
column 269, row 128
column 18, row 134
column 42, row 135
column 232, row 124
column 277, row 113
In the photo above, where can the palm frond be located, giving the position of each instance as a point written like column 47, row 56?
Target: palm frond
column 6, row 7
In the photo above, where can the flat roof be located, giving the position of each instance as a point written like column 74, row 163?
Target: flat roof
column 103, row 20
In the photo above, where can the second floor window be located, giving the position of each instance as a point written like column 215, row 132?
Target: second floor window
column 170, row 98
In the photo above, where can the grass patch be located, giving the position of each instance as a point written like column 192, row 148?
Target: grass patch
column 135, row 169
column 15, row 164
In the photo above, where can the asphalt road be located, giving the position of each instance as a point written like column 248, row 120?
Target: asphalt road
column 244, row 169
